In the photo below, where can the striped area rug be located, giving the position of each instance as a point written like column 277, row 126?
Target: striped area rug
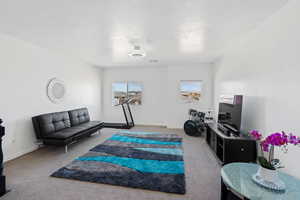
column 144, row 160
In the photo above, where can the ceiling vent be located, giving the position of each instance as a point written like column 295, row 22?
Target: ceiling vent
column 153, row 61
column 137, row 52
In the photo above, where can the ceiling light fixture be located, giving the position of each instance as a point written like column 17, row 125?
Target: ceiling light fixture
column 137, row 52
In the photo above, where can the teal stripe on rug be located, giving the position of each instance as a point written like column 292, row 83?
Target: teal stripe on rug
column 122, row 138
column 148, row 166
column 168, row 151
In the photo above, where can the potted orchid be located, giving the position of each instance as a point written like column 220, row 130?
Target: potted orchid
column 268, row 163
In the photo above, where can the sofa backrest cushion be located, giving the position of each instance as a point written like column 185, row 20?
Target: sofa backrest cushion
column 49, row 123
column 79, row 116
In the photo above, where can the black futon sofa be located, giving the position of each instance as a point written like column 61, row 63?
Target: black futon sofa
column 64, row 128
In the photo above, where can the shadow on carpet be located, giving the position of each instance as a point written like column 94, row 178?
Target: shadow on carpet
column 143, row 160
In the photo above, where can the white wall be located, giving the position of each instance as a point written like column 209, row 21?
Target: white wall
column 161, row 103
column 24, row 73
column 177, row 112
column 265, row 67
column 154, row 84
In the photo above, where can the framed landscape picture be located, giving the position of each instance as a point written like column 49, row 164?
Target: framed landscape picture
column 190, row 90
column 119, row 93
column 134, row 93
column 127, row 91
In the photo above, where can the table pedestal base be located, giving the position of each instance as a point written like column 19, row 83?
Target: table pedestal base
column 226, row 194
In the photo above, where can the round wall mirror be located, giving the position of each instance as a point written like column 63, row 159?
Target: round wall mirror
column 56, row 90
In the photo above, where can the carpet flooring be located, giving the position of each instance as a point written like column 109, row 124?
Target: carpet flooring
column 28, row 176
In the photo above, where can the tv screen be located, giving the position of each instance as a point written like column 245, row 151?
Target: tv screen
column 230, row 116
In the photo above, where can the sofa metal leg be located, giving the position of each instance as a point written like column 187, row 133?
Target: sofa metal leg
column 96, row 133
column 39, row 143
column 66, row 148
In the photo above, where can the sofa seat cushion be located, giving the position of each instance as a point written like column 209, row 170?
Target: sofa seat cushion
column 66, row 133
column 73, row 131
column 90, row 124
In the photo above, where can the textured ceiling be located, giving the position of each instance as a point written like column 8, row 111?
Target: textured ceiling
column 103, row 32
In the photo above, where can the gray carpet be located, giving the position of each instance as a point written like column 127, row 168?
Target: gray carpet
column 28, row 176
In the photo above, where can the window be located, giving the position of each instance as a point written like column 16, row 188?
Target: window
column 134, row 93
column 190, row 91
column 119, row 92
column 123, row 91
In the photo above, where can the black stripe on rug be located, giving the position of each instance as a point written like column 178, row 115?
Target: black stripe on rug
column 171, row 183
column 130, row 152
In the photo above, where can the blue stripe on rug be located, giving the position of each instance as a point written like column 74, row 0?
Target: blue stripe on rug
column 168, row 151
column 148, row 166
column 122, row 138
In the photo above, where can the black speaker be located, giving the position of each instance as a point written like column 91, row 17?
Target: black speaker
column 2, row 186
column 2, row 177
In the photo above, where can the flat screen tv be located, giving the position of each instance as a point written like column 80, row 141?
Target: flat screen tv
column 230, row 115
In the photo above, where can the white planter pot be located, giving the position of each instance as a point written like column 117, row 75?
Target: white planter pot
column 268, row 175
column 269, row 179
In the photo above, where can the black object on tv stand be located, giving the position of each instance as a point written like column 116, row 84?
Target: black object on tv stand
column 230, row 149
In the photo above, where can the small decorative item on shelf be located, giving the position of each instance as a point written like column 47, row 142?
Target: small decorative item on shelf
column 267, row 175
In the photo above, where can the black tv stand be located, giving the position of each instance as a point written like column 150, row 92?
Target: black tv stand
column 228, row 147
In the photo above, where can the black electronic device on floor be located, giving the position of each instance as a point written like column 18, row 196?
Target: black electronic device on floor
column 2, row 177
column 195, row 126
column 128, row 118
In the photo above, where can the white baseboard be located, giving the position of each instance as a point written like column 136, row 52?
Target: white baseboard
column 151, row 125
column 20, row 154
